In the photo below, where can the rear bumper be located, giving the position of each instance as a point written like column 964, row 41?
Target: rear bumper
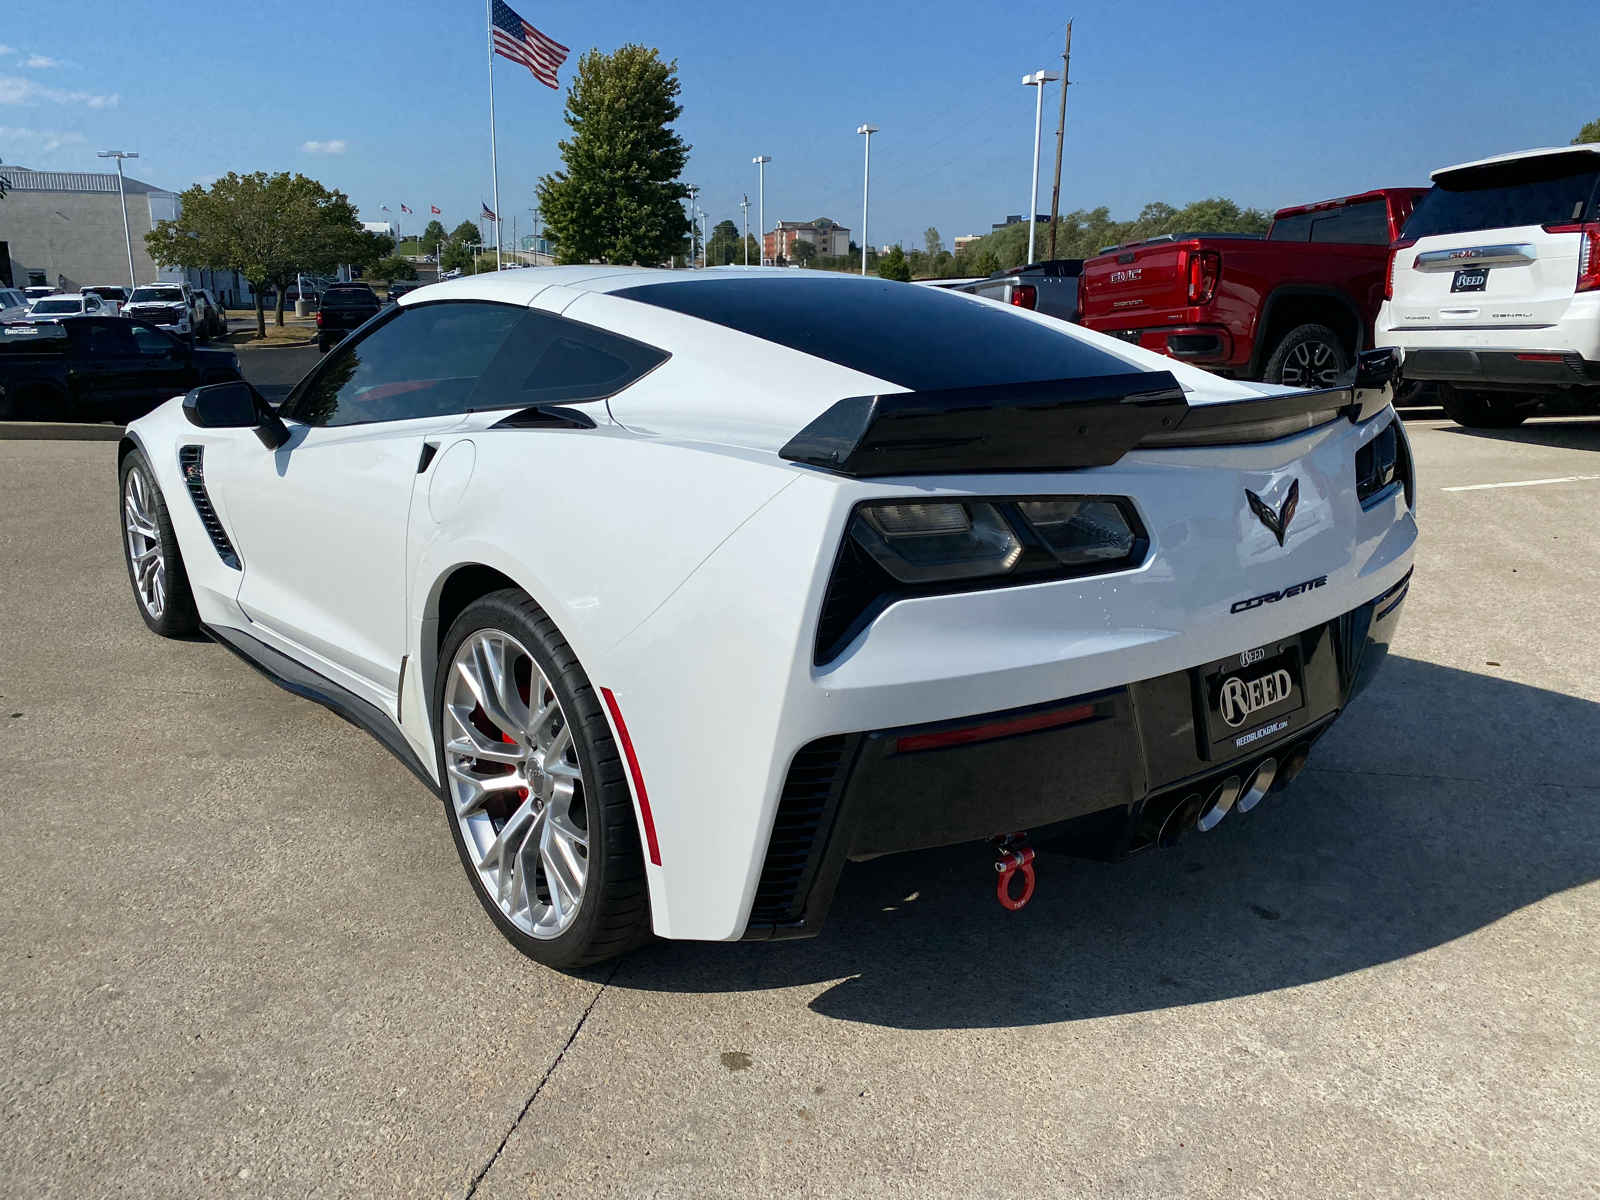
column 1203, row 345
column 1098, row 775
column 1530, row 369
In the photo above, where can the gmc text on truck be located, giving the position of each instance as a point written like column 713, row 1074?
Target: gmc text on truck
column 1294, row 307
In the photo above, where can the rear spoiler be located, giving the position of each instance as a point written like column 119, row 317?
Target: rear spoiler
column 1066, row 424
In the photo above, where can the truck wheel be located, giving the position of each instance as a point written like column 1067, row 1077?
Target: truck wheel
column 1310, row 356
column 1484, row 410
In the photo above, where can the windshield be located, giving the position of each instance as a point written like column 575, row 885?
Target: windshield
column 1555, row 189
column 58, row 306
column 160, row 295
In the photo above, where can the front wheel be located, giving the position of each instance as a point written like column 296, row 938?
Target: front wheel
column 1483, row 410
column 538, row 802
column 1310, row 356
column 150, row 547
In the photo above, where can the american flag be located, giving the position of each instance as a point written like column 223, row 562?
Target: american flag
column 520, row 42
column 488, row 213
column 404, row 209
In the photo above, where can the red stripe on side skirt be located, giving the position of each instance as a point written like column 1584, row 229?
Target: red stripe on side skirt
column 638, row 777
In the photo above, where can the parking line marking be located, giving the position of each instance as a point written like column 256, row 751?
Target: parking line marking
column 1482, row 487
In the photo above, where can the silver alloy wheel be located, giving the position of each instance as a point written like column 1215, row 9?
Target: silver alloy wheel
column 516, row 783
column 144, row 543
column 1310, row 364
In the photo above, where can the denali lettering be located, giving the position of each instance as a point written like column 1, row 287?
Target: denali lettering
column 1241, row 697
column 1240, row 606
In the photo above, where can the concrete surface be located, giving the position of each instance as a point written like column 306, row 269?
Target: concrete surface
column 242, row 958
column 59, row 431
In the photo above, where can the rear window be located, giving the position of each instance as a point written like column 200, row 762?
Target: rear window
column 351, row 299
column 1364, row 224
column 920, row 338
column 1555, row 189
column 51, row 307
column 32, row 339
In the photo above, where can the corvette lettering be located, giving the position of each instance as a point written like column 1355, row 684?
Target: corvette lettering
column 1287, row 593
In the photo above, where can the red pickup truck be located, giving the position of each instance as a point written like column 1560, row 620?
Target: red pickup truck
column 1293, row 307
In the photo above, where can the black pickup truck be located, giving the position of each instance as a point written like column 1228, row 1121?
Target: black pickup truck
column 95, row 368
column 344, row 307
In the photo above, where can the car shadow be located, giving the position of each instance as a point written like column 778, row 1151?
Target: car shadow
column 1566, row 433
column 1442, row 803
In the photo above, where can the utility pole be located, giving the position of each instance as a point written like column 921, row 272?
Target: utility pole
column 536, row 214
column 1037, row 80
column 694, row 257
column 866, row 179
column 761, row 203
column 745, row 205
column 119, row 155
column 1061, row 129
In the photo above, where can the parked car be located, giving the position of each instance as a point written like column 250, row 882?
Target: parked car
column 172, row 306
column 13, row 305
column 67, row 304
column 345, row 306
column 1494, row 287
column 1047, row 287
column 213, row 317
column 1294, row 307
column 93, row 367
column 35, row 291
column 682, row 595
column 398, row 289
column 112, row 296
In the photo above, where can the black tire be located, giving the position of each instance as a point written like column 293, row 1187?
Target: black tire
column 179, row 617
column 1312, row 356
column 614, row 915
column 1484, row 410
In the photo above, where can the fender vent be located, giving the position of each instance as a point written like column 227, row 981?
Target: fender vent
column 806, row 808
column 191, row 463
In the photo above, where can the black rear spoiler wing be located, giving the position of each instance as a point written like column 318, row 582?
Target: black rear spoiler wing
column 1065, row 424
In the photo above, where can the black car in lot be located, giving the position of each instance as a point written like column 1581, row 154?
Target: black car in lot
column 93, row 368
column 345, row 306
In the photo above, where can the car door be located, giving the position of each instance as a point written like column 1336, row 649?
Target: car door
column 165, row 367
column 320, row 523
column 106, row 369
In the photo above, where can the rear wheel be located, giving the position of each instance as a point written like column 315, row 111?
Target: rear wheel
column 1310, row 356
column 150, row 547
column 1484, row 410
column 538, row 802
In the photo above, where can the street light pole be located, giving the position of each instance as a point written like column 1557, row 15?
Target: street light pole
column 761, row 203
column 1037, row 80
column 866, row 179
column 745, row 206
column 122, row 198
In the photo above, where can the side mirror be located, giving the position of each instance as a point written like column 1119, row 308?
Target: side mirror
column 235, row 405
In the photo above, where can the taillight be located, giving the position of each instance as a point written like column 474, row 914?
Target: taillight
column 1205, row 269
column 1025, row 295
column 1394, row 257
column 1589, row 258
column 319, row 318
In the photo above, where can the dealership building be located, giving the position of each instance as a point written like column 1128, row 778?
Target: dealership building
column 64, row 229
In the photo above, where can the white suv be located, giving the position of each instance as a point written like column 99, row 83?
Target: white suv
column 1494, row 287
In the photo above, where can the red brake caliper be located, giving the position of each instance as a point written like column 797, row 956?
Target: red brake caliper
column 1014, row 857
column 522, row 793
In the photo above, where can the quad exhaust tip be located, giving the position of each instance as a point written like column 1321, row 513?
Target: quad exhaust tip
column 1202, row 812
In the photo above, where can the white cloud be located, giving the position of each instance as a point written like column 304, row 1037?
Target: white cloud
column 39, row 60
column 333, row 147
column 16, row 90
column 13, row 50
column 39, row 139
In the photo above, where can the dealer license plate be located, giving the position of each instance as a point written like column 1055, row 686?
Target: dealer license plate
column 1472, row 279
column 1252, row 697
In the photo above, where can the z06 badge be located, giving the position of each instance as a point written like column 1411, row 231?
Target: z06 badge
column 1273, row 597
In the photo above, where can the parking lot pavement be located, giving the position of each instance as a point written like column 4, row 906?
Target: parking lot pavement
column 239, row 939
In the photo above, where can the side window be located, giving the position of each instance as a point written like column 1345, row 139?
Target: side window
column 424, row 361
column 1365, row 224
column 102, row 339
column 554, row 360
column 151, row 342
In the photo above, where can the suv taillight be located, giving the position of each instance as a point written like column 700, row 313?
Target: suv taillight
column 1394, row 258
column 1205, row 269
column 1025, row 295
column 1589, row 258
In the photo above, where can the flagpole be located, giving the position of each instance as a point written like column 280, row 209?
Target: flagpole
column 494, row 158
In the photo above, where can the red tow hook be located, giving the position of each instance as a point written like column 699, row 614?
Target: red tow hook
column 1014, row 857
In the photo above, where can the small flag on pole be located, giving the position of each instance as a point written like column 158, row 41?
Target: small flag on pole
column 404, row 209
column 383, row 208
column 488, row 213
column 433, row 209
column 515, row 39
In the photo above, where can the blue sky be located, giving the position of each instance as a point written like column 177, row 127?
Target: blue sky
column 1269, row 103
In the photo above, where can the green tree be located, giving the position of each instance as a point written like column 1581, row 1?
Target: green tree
column 619, row 199
column 724, row 246
column 390, row 269
column 265, row 227
column 432, row 234
column 802, row 251
column 1589, row 133
column 932, row 243
column 893, row 265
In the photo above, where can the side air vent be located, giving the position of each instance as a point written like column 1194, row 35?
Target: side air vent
column 806, row 809
column 191, row 460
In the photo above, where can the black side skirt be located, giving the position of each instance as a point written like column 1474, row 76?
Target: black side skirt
column 295, row 677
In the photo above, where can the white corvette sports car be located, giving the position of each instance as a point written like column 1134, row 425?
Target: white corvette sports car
column 680, row 589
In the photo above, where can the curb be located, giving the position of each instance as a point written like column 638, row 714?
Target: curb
column 237, row 346
column 57, row 431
